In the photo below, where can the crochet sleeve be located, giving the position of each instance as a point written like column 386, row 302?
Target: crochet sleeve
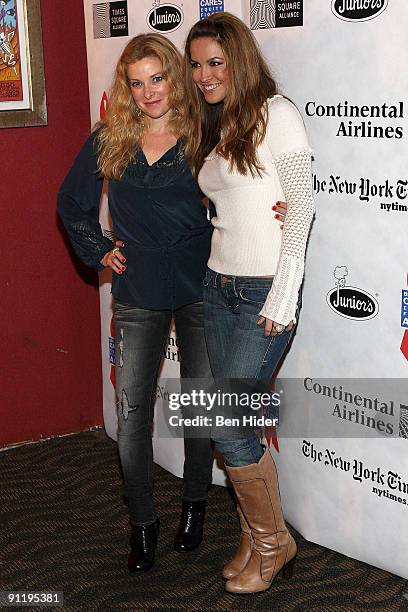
column 292, row 156
column 78, row 206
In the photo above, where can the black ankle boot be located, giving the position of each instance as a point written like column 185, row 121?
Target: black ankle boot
column 143, row 543
column 190, row 531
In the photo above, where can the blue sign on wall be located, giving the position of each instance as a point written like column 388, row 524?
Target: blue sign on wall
column 404, row 308
column 208, row 7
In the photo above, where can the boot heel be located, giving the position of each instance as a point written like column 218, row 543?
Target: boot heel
column 287, row 570
column 190, row 530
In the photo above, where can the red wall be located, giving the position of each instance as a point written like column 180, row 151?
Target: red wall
column 50, row 349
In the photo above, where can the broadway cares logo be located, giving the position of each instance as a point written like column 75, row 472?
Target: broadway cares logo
column 404, row 322
column 350, row 302
column 392, row 484
column 209, row 7
column 358, row 10
column 164, row 17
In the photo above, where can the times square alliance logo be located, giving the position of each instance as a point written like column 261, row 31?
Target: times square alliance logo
column 110, row 19
column 265, row 14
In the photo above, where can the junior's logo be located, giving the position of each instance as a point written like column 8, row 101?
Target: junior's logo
column 350, row 302
column 165, row 17
column 358, row 10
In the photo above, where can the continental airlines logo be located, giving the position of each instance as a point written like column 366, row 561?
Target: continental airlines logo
column 266, row 14
column 350, row 302
column 366, row 408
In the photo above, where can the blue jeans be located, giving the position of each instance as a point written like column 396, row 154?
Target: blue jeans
column 238, row 347
column 141, row 336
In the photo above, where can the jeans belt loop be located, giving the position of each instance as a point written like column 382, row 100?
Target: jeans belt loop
column 234, row 285
column 215, row 278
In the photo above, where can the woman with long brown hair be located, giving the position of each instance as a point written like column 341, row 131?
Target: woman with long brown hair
column 158, row 265
column 251, row 149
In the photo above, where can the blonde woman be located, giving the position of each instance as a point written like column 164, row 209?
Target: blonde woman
column 251, row 149
column 161, row 224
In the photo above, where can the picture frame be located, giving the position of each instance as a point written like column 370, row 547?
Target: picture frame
column 22, row 81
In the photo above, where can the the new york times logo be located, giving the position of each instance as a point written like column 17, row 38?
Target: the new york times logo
column 389, row 480
column 266, row 14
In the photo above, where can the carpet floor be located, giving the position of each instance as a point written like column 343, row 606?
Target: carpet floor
column 64, row 527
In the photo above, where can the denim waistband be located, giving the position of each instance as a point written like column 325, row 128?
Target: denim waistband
column 217, row 279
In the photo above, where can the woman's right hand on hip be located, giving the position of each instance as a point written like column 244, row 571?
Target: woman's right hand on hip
column 114, row 258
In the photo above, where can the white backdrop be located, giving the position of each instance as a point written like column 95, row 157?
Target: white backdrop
column 327, row 62
column 344, row 478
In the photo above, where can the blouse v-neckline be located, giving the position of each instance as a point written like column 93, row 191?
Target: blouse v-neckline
column 160, row 158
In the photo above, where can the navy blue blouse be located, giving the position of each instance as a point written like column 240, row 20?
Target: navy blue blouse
column 157, row 211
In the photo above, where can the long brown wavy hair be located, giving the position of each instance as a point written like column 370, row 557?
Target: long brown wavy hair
column 121, row 130
column 242, row 116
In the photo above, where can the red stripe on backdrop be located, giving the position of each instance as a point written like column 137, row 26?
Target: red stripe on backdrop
column 103, row 106
column 404, row 345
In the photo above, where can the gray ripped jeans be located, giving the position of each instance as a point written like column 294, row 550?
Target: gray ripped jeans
column 141, row 336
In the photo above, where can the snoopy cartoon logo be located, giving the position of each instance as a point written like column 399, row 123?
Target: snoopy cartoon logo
column 350, row 302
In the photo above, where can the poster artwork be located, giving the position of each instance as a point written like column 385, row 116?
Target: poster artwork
column 11, row 87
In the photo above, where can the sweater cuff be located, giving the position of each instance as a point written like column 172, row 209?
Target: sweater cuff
column 281, row 303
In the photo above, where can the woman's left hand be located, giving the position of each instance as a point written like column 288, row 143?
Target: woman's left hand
column 272, row 328
column 281, row 210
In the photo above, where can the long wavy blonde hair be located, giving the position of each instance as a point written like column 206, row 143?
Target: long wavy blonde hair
column 121, row 131
column 242, row 115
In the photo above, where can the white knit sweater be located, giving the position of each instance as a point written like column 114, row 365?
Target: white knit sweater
column 247, row 240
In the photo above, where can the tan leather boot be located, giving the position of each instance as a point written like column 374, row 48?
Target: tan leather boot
column 241, row 557
column 274, row 549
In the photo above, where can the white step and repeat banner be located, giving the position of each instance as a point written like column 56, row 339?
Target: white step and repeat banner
column 342, row 457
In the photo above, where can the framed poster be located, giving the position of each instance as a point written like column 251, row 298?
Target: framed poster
column 22, row 83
